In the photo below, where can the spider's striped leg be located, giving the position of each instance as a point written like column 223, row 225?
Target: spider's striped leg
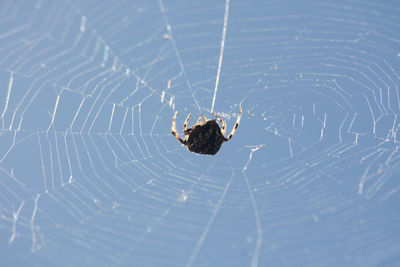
column 204, row 118
column 236, row 125
column 199, row 120
column 173, row 129
column 186, row 122
column 222, row 123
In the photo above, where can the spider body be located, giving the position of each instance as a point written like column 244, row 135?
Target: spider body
column 204, row 137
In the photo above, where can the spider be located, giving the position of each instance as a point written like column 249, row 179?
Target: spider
column 204, row 137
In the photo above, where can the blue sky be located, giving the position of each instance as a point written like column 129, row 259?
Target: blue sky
column 91, row 176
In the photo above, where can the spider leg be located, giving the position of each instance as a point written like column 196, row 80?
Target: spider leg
column 236, row 125
column 199, row 120
column 173, row 129
column 186, row 122
column 222, row 123
column 204, row 118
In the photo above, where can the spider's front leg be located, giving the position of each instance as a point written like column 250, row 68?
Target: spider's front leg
column 222, row 123
column 236, row 125
column 173, row 129
column 186, row 122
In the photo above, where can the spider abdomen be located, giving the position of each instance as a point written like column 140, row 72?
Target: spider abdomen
column 205, row 138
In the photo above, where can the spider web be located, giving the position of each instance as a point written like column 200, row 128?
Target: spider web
column 90, row 174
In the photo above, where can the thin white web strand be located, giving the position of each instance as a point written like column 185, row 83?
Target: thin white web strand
column 221, row 53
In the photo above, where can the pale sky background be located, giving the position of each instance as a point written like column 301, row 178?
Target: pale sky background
column 91, row 176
